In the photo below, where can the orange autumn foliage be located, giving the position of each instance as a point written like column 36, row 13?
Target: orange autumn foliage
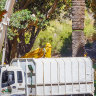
column 2, row 13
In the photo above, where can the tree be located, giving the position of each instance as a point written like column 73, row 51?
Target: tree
column 30, row 16
column 78, row 41
column 78, row 14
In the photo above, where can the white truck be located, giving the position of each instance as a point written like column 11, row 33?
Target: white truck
column 43, row 77
column 73, row 76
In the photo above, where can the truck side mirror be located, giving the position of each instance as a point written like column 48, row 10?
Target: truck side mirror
column 30, row 68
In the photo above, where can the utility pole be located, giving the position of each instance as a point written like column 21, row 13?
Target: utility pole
column 5, row 21
column 4, row 49
column 3, row 26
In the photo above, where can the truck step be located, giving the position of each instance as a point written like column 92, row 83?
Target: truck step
column 29, row 74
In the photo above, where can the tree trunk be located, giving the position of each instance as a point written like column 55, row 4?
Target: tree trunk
column 15, row 49
column 25, row 48
column 78, row 43
column 78, row 40
column 8, row 52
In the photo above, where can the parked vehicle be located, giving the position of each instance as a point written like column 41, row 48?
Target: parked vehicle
column 47, row 76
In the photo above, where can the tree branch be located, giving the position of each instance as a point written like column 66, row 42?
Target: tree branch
column 52, row 9
column 27, row 3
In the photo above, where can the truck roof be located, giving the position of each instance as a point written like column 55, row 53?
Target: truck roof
column 12, row 68
column 34, row 59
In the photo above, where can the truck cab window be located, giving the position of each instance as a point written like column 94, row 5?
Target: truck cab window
column 19, row 77
column 5, row 77
column 8, row 78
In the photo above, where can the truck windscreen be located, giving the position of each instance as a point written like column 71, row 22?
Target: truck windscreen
column 8, row 78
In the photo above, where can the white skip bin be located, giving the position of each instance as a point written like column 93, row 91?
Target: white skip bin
column 58, row 76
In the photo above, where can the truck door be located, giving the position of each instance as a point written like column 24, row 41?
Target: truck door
column 20, row 82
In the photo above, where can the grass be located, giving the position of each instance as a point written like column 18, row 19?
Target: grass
column 89, row 25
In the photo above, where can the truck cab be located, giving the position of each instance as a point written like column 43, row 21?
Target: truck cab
column 12, row 81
